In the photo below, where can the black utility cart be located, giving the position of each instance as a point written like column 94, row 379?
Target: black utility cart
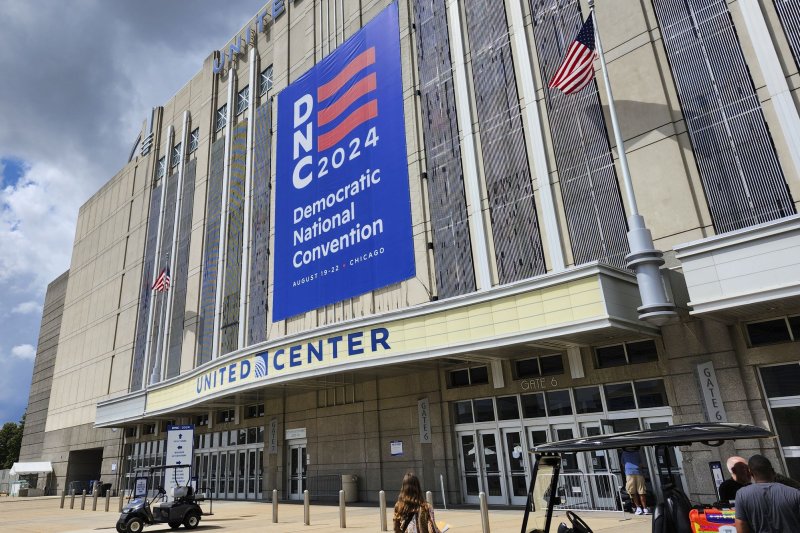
column 672, row 509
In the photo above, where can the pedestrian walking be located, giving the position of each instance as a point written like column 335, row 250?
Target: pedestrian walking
column 766, row 506
column 412, row 514
column 634, row 479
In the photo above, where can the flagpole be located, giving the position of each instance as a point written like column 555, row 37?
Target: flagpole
column 644, row 258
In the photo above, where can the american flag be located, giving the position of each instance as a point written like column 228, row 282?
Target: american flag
column 162, row 281
column 577, row 69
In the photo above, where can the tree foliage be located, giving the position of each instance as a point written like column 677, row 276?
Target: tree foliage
column 10, row 443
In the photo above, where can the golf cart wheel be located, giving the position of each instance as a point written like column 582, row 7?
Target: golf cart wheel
column 192, row 520
column 134, row 525
column 121, row 528
column 174, row 525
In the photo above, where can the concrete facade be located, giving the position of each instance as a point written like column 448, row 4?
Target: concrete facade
column 353, row 417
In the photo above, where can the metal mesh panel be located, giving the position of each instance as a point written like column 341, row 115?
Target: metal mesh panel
column 208, row 290
column 229, row 340
column 789, row 14
column 589, row 188
column 741, row 175
column 517, row 243
column 179, row 277
column 452, row 249
column 137, row 370
column 160, row 299
column 259, row 245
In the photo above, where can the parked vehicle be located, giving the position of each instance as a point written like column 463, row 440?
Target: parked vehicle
column 673, row 512
column 184, row 509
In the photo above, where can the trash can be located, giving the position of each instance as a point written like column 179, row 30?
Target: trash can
column 350, row 488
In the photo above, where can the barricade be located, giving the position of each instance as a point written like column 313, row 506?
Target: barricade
column 589, row 492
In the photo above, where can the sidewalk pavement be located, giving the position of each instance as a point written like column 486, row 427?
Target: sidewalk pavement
column 43, row 515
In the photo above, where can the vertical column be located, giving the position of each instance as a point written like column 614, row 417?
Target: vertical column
column 471, row 178
column 774, row 77
column 248, row 179
column 223, row 226
column 535, row 146
column 174, row 256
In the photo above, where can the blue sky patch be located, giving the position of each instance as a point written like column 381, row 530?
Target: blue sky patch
column 12, row 170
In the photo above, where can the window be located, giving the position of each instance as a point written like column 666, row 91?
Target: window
column 546, row 365
column 628, row 353
column 161, row 171
column 782, row 388
column 533, row 405
column 149, row 429
column 201, row 420
column 243, row 100
column 782, row 380
column 558, row 403
column 166, row 424
column 619, row 397
column 465, row 377
column 784, row 329
column 265, row 81
column 226, row 415
column 222, row 117
column 130, row 432
column 463, row 412
column 588, row 400
column 176, row 155
column 507, row 408
column 194, row 140
column 484, row 410
column 650, row 393
column 255, row 411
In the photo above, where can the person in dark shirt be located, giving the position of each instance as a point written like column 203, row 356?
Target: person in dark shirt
column 766, row 506
column 740, row 476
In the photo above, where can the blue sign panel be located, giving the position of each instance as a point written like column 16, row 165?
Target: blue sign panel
column 342, row 206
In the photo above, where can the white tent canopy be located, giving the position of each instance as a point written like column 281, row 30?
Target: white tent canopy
column 31, row 468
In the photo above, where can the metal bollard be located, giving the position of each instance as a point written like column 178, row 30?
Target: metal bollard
column 83, row 500
column 429, row 498
column 484, row 513
column 72, row 499
column 121, row 500
column 342, row 511
column 382, row 498
column 108, row 499
column 63, row 497
column 274, row 506
column 95, row 493
column 306, row 509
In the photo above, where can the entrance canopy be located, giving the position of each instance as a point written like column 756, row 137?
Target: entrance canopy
column 31, row 468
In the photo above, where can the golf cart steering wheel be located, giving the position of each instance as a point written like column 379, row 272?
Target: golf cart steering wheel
column 578, row 525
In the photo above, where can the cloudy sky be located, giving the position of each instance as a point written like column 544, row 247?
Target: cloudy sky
column 77, row 79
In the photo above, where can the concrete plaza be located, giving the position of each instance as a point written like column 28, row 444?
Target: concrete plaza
column 43, row 515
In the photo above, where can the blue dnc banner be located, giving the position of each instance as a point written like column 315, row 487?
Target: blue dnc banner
column 342, row 207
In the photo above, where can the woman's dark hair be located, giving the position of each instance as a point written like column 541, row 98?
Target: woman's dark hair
column 410, row 498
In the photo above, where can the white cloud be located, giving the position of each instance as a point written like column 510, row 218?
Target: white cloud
column 27, row 308
column 24, row 351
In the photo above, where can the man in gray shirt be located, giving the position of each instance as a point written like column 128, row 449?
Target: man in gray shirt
column 766, row 506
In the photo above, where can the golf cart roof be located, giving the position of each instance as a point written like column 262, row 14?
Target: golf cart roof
column 707, row 433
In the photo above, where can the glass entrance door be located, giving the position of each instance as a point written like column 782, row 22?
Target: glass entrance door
column 481, row 467
column 669, row 458
column 297, row 471
column 516, row 462
column 574, row 491
column 600, row 483
column 241, row 469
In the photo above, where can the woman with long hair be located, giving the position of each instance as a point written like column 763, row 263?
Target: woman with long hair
column 412, row 514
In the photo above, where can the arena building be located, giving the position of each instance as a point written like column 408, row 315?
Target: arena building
column 388, row 246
